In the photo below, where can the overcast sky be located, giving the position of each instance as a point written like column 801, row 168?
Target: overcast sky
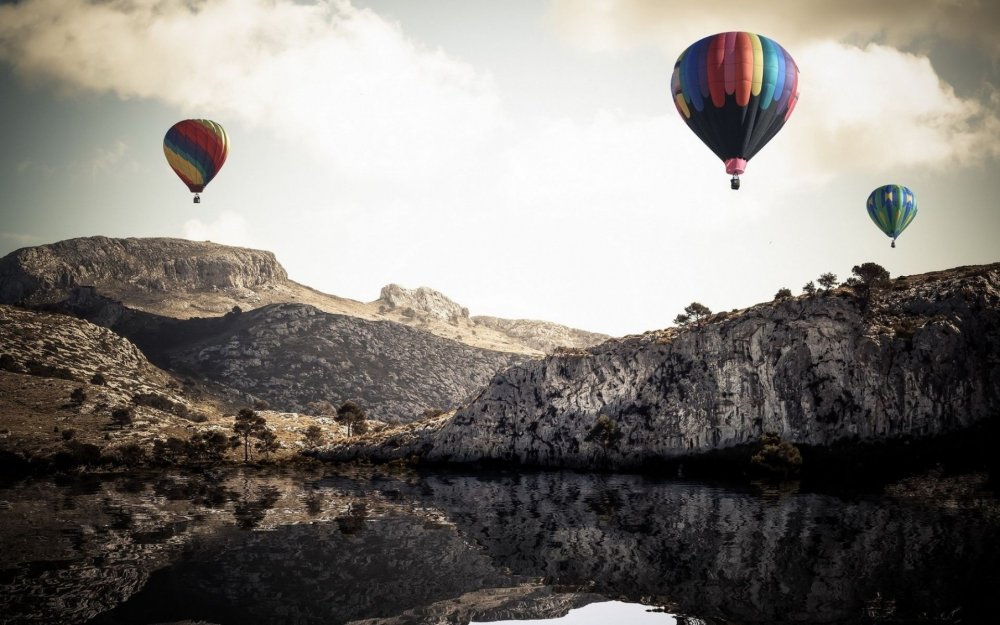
column 523, row 157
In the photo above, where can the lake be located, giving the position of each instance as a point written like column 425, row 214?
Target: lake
column 404, row 548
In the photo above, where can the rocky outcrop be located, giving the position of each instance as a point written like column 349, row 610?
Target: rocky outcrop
column 923, row 359
column 46, row 273
column 421, row 301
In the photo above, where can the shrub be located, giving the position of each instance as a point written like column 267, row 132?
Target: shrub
column 68, row 434
column 783, row 293
column 7, row 363
column 99, row 379
column 77, row 397
column 809, row 288
column 49, row 371
column 313, row 436
column 122, row 416
column 777, row 457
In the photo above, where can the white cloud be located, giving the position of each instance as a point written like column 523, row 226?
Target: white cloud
column 107, row 159
column 329, row 77
column 229, row 228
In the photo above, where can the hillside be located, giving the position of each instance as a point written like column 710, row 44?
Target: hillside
column 292, row 355
column 922, row 361
column 45, row 357
column 183, row 279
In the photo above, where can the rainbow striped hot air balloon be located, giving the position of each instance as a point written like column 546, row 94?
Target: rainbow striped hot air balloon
column 735, row 90
column 196, row 150
column 892, row 207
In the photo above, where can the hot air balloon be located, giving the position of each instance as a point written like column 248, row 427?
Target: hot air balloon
column 735, row 90
column 196, row 150
column 892, row 207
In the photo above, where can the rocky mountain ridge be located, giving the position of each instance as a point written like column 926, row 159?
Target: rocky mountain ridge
column 923, row 359
column 183, row 279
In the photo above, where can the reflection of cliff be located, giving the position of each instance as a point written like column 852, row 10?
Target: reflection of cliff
column 722, row 555
column 248, row 548
column 313, row 574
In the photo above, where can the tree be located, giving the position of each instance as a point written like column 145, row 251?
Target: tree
column 783, row 293
column 692, row 312
column 353, row 416
column 871, row 278
column 208, row 445
column 809, row 288
column 871, row 274
column 248, row 424
column 267, row 442
column 828, row 281
column 314, row 436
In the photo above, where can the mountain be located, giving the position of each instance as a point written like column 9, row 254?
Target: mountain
column 917, row 359
column 292, row 355
column 183, row 279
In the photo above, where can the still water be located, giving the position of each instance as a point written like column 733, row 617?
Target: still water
column 246, row 548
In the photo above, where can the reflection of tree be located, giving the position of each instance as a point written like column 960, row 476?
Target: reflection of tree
column 354, row 521
column 251, row 510
column 314, row 503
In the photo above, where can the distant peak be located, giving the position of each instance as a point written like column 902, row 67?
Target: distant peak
column 423, row 301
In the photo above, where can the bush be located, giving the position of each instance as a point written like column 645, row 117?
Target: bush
column 777, row 457
column 99, row 379
column 77, row 397
column 313, row 436
column 122, row 416
column 48, row 371
column 7, row 363
column 783, row 293
column 809, row 288
column 69, row 433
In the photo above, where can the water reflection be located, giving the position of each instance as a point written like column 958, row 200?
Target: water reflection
column 249, row 548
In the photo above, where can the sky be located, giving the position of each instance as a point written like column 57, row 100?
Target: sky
column 524, row 157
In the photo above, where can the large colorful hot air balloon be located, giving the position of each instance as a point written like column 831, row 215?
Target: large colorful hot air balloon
column 196, row 150
column 735, row 90
column 892, row 207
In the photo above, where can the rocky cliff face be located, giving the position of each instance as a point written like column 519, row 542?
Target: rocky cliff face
column 815, row 370
column 923, row 360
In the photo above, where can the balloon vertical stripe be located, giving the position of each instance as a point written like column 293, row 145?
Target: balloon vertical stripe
column 735, row 91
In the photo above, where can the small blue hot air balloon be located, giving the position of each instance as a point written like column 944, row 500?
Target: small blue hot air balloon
column 892, row 207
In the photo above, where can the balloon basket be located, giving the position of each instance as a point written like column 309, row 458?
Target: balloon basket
column 734, row 184
column 197, row 199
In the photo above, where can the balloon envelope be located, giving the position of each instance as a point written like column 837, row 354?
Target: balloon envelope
column 196, row 150
column 892, row 207
column 735, row 90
